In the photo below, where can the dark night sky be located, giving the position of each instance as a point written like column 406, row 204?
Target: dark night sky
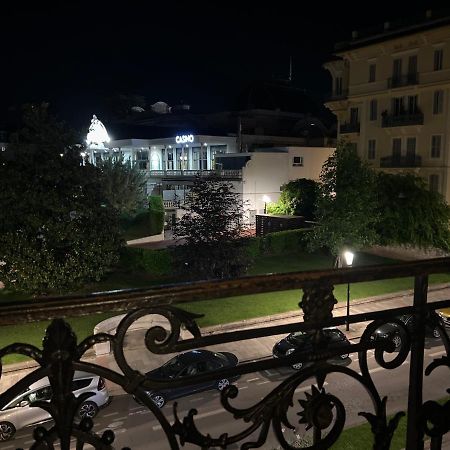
column 78, row 53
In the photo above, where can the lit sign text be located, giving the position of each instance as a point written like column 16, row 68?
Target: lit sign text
column 184, row 138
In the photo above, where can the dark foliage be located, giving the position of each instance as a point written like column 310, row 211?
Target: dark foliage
column 298, row 198
column 410, row 213
column 57, row 229
column 211, row 232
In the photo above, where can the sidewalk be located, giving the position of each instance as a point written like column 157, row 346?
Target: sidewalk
column 141, row 359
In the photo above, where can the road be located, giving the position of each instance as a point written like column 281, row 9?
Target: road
column 136, row 427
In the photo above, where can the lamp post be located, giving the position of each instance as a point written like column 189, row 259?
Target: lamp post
column 266, row 199
column 348, row 256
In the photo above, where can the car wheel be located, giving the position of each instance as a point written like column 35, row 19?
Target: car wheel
column 158, row 400
column 222, row 384
column 297, row 366
column 436, row 333
column 7, row 431
column 345, row 356
column 397, row 340
column 88, row 409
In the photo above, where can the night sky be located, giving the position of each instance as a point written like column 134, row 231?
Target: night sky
column 78, row 54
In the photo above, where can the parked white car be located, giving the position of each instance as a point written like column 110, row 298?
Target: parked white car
column 20, row 412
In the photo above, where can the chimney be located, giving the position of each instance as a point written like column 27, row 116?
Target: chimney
column 386, row 25
column 428, row 13
column 354, row 34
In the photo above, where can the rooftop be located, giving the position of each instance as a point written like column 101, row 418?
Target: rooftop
column 392, row 29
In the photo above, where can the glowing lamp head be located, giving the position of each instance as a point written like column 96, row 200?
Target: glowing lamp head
column 266, row 199
column 348, row 256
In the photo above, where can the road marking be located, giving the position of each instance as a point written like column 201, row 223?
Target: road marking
column 305, row 388
column 263, row 382
column 110, row 414
column 252, row 379
column 197, row 417
column 196, row 399
column 243, row 387
column 437, row 353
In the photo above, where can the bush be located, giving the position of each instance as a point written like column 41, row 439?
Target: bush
column 287, row 241
column 156, row 208
column 155, row 262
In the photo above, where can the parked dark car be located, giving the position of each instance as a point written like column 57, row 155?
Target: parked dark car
column 191, row 363
column 302, row 342
column 395, row 333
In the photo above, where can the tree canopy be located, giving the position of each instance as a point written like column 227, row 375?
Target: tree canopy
column 58, row 229
column 123, row 184
column 346, row 207
column 298, row 198
column 410, row 213
column 211, row 231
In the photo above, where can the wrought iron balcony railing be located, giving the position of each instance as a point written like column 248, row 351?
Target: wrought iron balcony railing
column 398, row 120
column 399, row 161
column 225, row 173
column 350, row 127
column 173, row 203
column 403, row 80
column 322, row 410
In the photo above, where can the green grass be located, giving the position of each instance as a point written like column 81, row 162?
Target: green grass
column 225, row 310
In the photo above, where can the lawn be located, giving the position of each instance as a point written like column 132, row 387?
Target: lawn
column 229, row 309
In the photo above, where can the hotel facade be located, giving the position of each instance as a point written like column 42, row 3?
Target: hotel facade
column 391, row 96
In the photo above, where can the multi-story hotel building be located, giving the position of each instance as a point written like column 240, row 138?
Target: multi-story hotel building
column 391, row 95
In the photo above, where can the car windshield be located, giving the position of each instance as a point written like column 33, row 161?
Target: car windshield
column 298, row 336
column 172, row 367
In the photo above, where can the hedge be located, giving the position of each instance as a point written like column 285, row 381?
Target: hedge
column 156, row 262
column 159, row 262
column 156, row 208
column 287, row 241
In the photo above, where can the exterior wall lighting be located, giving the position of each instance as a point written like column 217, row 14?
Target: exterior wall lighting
column 266, row 199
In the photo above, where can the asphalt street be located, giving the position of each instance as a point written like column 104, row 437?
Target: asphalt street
column 136, row 427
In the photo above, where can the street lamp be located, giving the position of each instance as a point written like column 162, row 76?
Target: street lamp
column 266, row 199
column 348, row 256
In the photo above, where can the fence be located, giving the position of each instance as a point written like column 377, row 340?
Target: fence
column 322, row 410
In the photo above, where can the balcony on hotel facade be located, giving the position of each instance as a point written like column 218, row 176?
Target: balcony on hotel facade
column 403, row 119
column 226, row 174
column 401, row 161
column 349, row 127
column 309, row 403
column 403, row 80
column 341, row 95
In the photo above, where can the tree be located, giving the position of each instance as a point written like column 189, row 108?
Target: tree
column 346, row 204
column 57, row 229
column 410, row 213
column 298, row 197
column 123, row 184
column 211, row 232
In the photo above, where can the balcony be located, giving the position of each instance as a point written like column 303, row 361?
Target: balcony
column 398, row 120
column 403, row 80
column 173, row 204
column 401, row 161
column 338, row 95
column 235, row 174
column 351, row 127
column 308, row 399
